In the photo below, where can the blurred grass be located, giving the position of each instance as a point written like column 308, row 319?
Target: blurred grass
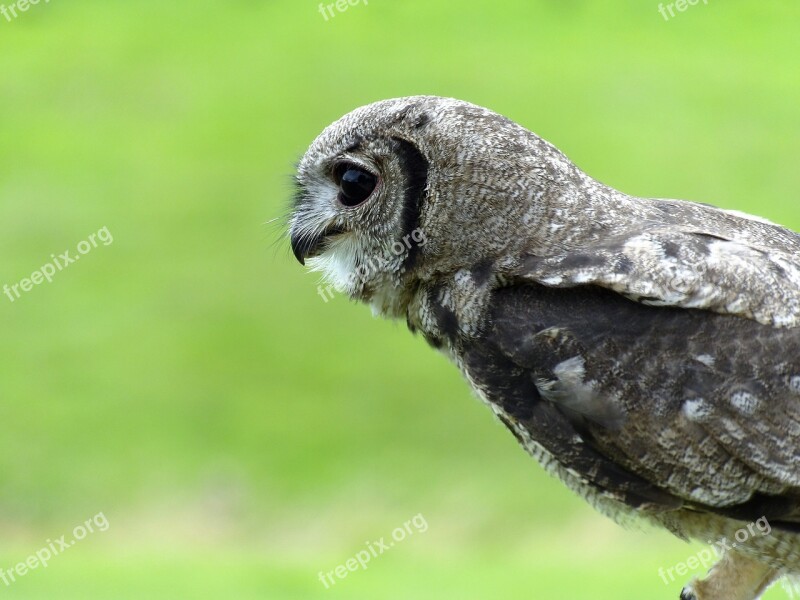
column 240, row 434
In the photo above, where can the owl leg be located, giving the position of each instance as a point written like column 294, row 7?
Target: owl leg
column 734, row 577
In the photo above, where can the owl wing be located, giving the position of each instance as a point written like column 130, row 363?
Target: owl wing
column 689, row 268
column 656, row 407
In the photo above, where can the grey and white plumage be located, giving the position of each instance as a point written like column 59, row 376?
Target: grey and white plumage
column 647, row 352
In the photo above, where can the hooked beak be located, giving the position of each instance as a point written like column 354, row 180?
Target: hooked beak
column 305, row 247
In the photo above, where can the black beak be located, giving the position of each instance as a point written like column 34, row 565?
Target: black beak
column 305, row 247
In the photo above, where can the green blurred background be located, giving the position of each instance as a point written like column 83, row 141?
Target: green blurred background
column 240, row 434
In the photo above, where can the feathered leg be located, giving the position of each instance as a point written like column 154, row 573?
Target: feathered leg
column 734, row 577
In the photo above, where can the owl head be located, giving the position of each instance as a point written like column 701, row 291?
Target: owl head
column 412, row 188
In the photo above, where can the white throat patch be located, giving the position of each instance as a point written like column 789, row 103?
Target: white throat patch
column 337, row 263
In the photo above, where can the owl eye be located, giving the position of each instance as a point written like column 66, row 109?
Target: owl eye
column 355, row 184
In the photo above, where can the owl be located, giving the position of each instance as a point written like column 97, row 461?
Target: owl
column 646, row 352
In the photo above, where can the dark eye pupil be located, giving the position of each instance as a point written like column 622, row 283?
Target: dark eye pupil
column 355, row 185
